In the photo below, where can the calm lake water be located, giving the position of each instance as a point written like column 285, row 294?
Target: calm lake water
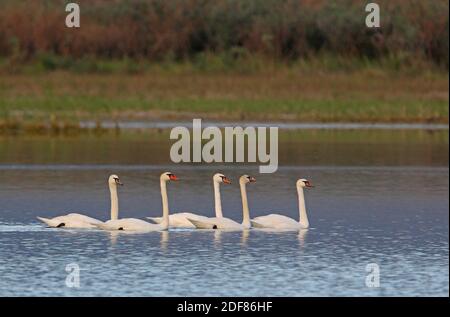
column 380, row 197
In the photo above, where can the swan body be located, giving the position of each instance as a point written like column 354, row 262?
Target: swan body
column 275, row 221
column 281, row 222
column 72, row 220
column 133, row 224
column 218, row 223
column 79, row 221
column 224, row 223
column 181, row 220
column 130, row 224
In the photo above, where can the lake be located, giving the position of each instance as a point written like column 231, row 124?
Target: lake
column 380, row 198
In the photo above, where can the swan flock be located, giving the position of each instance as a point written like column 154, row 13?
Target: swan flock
column 189, row 220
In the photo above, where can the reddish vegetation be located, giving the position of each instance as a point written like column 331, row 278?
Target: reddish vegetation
column 283, row 30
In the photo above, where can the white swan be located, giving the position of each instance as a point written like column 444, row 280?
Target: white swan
column 74, row 220
column 133, row 224
column 280, row 222
column 227, row 223
column 180, row 220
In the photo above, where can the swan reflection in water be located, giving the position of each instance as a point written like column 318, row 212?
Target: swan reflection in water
column 302, row 237
column 217, row 238
column 218, row 234
column 164, row 242
column 114, row 235
column 244, row 237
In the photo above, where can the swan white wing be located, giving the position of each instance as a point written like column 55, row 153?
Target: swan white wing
column 216, row 223
column 78, row 224
column 179, row 220
column 52, row 222
column 83, row 218
column 71, row 221
column 227, row 223
column 202, row 224
column 129, row 224
column 275, row 221
column 155, row 219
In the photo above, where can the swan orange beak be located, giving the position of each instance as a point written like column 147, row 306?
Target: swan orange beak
column 308, row 184
column 252, row 179
column 226, row 180
column 173, row 177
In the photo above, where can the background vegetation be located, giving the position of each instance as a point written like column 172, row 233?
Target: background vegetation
column 304, row 60
column 187, row 29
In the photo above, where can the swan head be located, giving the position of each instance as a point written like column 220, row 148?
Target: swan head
column 114, row 180
column 302, row 182
column 244, row 179
column 168, row 176
column 220, row 178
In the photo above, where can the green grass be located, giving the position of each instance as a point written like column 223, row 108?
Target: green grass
column 290, row 93
column 95, row 107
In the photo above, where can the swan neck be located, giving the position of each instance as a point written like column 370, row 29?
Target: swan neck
column 114, row 202
column 165, row 205
column 217, row 200
column 302, row 208
column 245, row 210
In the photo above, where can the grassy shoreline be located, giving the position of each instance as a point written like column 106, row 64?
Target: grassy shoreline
column 61, row 99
